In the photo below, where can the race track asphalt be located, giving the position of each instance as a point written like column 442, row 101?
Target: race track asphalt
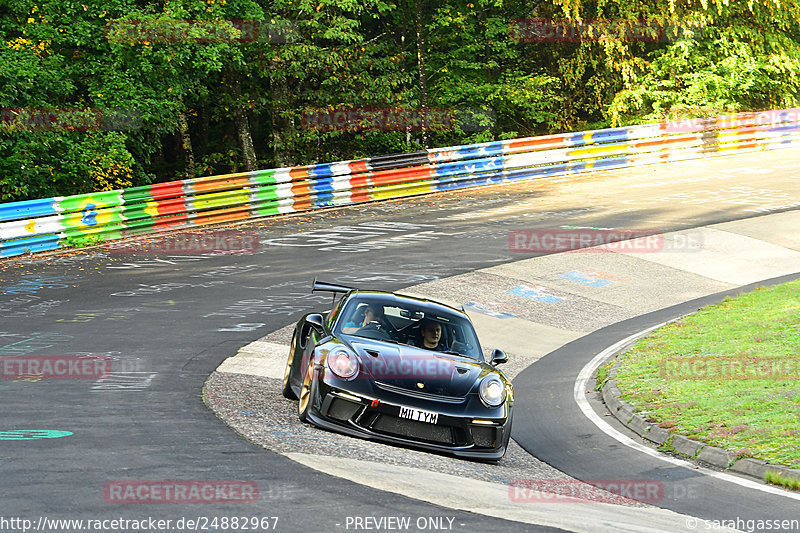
column 167, row 321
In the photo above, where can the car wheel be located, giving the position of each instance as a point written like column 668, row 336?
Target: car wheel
column 304, row 404
column 287, row 386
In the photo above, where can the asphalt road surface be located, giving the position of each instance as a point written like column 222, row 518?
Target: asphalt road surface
column 164, row 322
column 550, row 425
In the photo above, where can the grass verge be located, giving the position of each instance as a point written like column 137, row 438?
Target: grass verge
column 728, row 375
column 602, row 374
column 776, row 479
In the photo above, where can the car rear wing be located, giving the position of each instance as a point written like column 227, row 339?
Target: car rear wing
column 321, row 286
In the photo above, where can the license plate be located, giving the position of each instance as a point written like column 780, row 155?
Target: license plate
column 419, row 415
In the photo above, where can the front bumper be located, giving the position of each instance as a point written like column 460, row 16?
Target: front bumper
column 364, row 410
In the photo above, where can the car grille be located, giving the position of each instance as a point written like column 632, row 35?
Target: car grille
column 342, row 409
column 411, row 428
column 417, row 394
column 484, row 437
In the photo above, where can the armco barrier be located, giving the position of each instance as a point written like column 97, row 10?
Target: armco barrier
column 52, row 223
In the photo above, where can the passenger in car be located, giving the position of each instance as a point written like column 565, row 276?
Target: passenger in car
column 431, row 333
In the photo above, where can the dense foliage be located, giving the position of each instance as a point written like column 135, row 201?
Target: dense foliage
column 185, row 88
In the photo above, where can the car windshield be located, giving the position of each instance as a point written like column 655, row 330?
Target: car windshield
column 410, row 323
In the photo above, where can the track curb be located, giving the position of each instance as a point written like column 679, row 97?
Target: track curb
column 686, row 448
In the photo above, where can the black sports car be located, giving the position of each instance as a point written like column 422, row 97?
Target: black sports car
column 400, row 369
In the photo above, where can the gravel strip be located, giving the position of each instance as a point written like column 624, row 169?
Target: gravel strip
column 255, row 408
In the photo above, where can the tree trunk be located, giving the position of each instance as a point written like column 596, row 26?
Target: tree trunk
column 204, row 126
column 423, row 80
column 242, row 124
column 186, row 143
column 282, row 120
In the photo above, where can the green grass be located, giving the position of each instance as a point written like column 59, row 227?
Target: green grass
column 777, row 479
column 747, row 412
column 602, row 374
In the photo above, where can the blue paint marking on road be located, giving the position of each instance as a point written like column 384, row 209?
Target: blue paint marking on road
column 539, row 294
column 33, row 434
column 587, row 277
column 485, row 310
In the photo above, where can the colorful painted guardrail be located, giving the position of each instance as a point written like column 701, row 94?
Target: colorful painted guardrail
column 61, row 222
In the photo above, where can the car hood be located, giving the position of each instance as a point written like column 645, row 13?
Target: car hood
column 418, row 370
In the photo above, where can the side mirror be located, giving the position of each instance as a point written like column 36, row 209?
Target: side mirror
column 499, row 357
column 316, row 321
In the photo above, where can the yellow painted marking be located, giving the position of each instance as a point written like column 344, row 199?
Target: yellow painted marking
column 595, row 150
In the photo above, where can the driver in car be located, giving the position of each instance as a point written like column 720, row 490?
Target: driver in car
column 372, row 313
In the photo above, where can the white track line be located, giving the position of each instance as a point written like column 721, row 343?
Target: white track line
column 579, row 393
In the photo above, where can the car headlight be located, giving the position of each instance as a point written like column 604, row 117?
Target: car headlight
column 342, row 363
column 493, row 392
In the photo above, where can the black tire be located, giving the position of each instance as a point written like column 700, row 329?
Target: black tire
column 287, row 383
column 304, row 405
